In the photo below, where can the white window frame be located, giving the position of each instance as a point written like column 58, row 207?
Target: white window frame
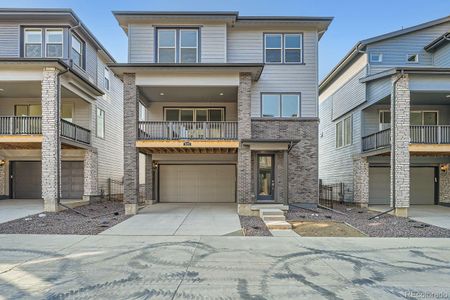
column 422, row 115
column 286, row 48
column 373, row 60
column 81, row 50
column 381, row 116
column 107, row 79
column 174, row 46
column 25, row 42
column 103, row 132
column 280, row 104
column 194, row 110
column 412, row 62
column 267, row 48
column 53, row 43
column 342, row 132
column 181, row 47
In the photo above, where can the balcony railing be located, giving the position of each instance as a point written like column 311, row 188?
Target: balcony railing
column 75, row 132
column 12, row 125
column 155, row 130
column 419, row 134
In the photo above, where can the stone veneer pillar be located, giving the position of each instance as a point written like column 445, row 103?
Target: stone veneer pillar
column 131, row 155
column 361, row 181
column 400, row 134
column 2, row 180
column 90, row 174
column 444, row 187
column 149, row 178
column 244, row 167
column 51, row 145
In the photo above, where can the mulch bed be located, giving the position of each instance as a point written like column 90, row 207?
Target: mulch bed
column 383, row 226
column 254, row 226
column 101, row 216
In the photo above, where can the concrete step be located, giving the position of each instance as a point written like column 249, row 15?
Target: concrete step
column 270, row 212
column 269, row 206
column 273, row 218
column 278, row 225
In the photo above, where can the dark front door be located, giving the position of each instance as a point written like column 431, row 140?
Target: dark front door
column 265, row 177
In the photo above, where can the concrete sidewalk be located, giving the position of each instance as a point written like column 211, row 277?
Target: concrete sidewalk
column 181, row 219
column 11, row 209
column 173, row 267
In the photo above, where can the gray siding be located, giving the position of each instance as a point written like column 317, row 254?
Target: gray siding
column 394, row 50
column 141, row 43
column 244, row 46
column 349, row 96
column 9, row 40
column 378, row 89
column 213, row 43
column 442, row 56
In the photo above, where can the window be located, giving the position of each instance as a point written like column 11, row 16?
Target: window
column 376, row 57
column 67, row 112
column 203, row 114
column 412, row 58
column 106, row 82
column 274, row 105
column 77, row 51
column 385, row 119
column 344, row 134
column 178, row 45
column 424, row 117
column 142, row 112
column 33, row 42
column 54, row 43
column 100, row 123
column 28, row 110
column 283, row 48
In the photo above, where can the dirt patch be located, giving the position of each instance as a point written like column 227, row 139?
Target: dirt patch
column 325, row 229
column 100, row 216
column 254, row 226
column 383, row 226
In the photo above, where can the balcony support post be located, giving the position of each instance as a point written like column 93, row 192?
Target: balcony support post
column 51, row 143
column 90, row 174
column 3, row 179
column 400, row 139
column 149, row 179
column 361, row 181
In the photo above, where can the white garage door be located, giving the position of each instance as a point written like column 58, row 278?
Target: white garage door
column 422, row 185
column 197, row 183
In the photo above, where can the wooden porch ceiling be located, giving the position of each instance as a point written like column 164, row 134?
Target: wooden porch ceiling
column 187, row 147
column 29, row 142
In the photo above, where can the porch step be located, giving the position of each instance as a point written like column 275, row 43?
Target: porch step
column 279, row 225
column 269, row 206
column 274, row 218
column 270, row 212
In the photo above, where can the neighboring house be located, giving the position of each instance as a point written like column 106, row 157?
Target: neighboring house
column 60, row 108
column 224, row 107
column 411, row 68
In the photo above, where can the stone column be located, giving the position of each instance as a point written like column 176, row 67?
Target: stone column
column 400, row 136
column 244, row 182
column 51, row 144
column 361, row 181
column 149, row 179
column 444, row 185
column 131, row 155
column 90, row 174
column 3, row 180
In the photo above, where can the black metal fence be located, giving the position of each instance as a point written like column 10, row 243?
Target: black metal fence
column 114, row 190
column 331, row 193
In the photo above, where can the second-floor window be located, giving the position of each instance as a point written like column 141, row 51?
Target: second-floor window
column 276, row 105
column 77, row 52
column 283, row 48
column 178, row 45
column 376, row 57
column 33, row 42
column 344, row 132
column 40, row 42
column 54, row 43
column 100, row 126
column 107, row 80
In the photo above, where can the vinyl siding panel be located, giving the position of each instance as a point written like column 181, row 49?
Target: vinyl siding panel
column 245, row 46
column 442, row 56
column 395, row 50
column 9, row 40
column 350, row 95
column 378, row 89
column 213, row 43
column 141, row 43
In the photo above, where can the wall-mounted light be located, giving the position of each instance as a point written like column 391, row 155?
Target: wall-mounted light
column 2, row 162
column 161, row 94
column 2, row 90
column 221, row 94
column 444, row 168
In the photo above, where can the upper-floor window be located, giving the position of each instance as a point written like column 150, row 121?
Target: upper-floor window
column 344, row 132
column 100, row 123
column 198, row 114
column 107, row 80
column 276, row 105
column 283, row 47
column 54, row 43
column 177, row 45
column 77, row 52
column 40, row 42
column 412, row 58
column 33, row 42
column 376, row 57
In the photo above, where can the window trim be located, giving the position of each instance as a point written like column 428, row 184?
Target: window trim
column 42, row 43
column 181, row 47
column 342, row 123
column 422, row 115
column 47, row 43
column 177, row 30
column 280, row 94
column 107, row 79
column 380, row 57
column 380, row 113
column 208, row 108
column 412, row 62
column 283, row 48
column 96, row 123
column 83, row 50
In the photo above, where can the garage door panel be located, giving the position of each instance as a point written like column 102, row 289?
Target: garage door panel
column 27, row 180
column 197, row 183
column 422, row 186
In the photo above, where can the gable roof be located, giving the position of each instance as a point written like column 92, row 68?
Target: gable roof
column 359, row 46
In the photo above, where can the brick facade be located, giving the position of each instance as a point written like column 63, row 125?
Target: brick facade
column 400, row 136
column 361, row 181
column 90, row 173
column 3, row 181
column 149, row 178
column 51, row 144
column 131, row 155
column 444, row 187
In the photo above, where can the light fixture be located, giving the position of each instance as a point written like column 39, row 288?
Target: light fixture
column 221, row 94
column 444, row 168
column 2, row 90
column 448, row 96
column 2, row 162
column 161, row 94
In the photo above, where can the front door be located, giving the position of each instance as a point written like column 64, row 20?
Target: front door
column 266, row 181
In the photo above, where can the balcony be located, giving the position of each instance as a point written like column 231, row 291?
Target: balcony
column 419, row 134
column 155, row 130
column 12, row 125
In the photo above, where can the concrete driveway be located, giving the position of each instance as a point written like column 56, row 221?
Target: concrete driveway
column 174, row 267
column 181, row 219
column 12, row 209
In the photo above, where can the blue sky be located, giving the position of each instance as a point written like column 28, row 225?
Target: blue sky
column 354, row 19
